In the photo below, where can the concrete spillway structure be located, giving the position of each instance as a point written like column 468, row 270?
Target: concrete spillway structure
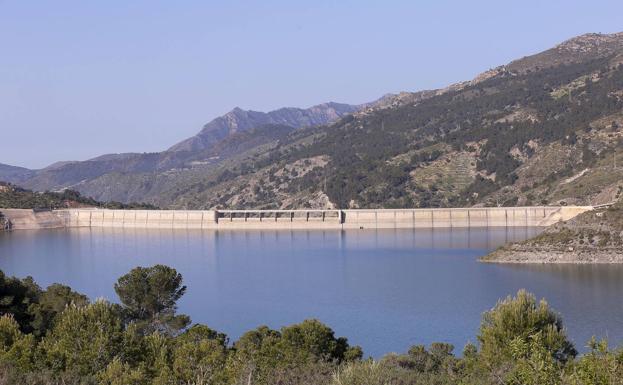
column 297, row 219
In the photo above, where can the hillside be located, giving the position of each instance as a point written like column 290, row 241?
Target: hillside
column 14, row 173
column 543, row 129
column 592, row 237
column 19, row 198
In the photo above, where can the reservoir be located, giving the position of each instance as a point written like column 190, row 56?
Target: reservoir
column 382, row 289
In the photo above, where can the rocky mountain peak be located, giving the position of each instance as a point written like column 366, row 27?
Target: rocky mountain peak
column 239, row 120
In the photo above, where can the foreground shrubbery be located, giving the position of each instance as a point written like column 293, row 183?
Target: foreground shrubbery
column 56, row 336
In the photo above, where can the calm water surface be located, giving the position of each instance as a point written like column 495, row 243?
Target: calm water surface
column 384, row 290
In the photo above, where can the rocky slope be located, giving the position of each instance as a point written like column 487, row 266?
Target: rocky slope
column 544, row 129
column 592, row 237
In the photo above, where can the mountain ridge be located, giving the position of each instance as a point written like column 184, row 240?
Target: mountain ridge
column 241, row 120
column 69, row 174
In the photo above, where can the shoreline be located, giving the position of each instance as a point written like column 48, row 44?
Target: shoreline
column 527, row 252
column 542, row 257
column 590, row 238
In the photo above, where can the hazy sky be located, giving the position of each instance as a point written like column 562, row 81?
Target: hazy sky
column 83, row 78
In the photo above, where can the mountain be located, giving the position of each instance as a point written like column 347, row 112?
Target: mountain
column 239, row 120
column 220, row 139
column 13, row 173
column 546, row 128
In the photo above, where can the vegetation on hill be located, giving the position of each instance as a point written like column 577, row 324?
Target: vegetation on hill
column 57, row 336
column 370, row 164
column 18, row 198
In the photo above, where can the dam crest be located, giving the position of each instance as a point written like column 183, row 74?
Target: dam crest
column 540, row 216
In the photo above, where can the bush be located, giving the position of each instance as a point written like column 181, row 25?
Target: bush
column 518, row 320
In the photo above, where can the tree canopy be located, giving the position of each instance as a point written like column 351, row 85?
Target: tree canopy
column 149, row 297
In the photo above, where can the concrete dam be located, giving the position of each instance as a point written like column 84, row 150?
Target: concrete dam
column 295, row 219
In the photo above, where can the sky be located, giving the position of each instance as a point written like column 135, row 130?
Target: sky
column 83, row 78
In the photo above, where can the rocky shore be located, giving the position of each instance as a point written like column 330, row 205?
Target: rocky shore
column 520, row 253
column 592, row 237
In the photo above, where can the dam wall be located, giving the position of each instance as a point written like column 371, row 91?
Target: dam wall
column 30, row 219
column 305, row 219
